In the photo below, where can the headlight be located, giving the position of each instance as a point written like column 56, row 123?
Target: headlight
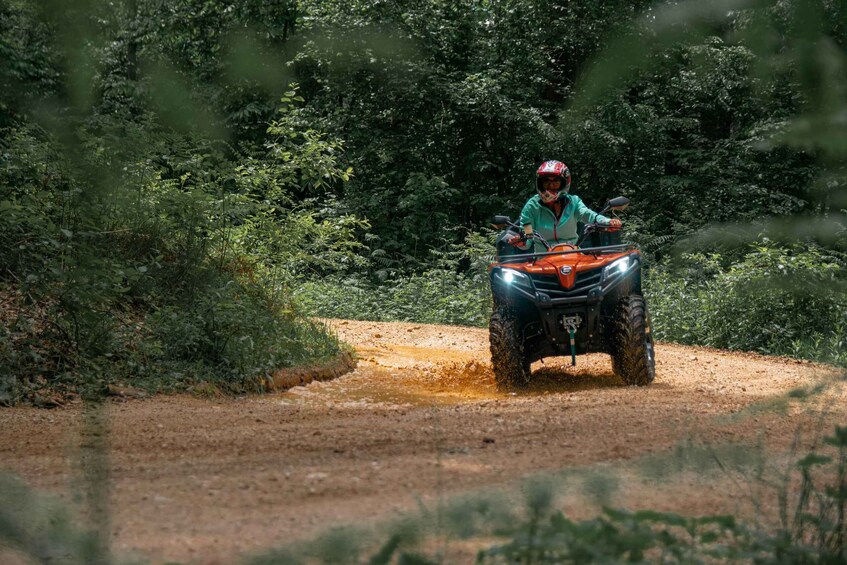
column 617, row 267
column 510, row 275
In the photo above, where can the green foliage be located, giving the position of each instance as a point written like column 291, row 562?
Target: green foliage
column 235, row 334
column 684, row 108
column 166, row 270
column 446, row 107
column 28, row 60
column 773, row 299
column 158, row 158
column 454, row 291
column 618, row 537
column 433, row 297
column 151, row 225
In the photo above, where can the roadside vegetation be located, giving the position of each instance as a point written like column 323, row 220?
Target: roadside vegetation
column 166, row 273
column 183, row 186
column 139, row 245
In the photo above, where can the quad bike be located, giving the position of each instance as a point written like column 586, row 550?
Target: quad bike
column 569, row 300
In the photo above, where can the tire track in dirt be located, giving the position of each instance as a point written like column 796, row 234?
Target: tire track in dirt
column 206, row 480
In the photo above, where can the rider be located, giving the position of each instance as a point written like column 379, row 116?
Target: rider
column 553, row 212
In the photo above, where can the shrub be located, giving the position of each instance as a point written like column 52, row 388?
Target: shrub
column 433, row 297
column 170, row 271
column 774, row 300
column 454, row 290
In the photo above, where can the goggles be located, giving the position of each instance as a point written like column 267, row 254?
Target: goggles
column 551, row 184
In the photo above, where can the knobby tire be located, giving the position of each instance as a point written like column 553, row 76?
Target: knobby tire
column 633, row 356
column 508, row 358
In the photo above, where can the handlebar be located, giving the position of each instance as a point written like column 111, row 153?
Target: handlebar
column 589, row 228
column 533, row 235
column 602, row 250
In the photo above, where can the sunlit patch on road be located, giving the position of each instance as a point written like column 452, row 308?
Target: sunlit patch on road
column 431, row 378
column 374, row 386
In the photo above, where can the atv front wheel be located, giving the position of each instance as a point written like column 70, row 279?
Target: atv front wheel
column 633, row 356
column 511, row 369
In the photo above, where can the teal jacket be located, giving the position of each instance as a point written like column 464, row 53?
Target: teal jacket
column 543, row 220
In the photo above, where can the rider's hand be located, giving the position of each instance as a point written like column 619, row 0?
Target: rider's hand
column 615, row 223
column 516, row 240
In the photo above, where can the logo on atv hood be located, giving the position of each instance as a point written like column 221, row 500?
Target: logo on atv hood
column 566, row 270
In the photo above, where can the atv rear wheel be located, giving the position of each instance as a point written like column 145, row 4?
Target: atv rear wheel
column 511, row 368
column 633, row 356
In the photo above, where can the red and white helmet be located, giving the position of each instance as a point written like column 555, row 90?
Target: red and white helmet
column 552, row 170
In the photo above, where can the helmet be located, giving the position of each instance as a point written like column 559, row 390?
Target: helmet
column 553, row 170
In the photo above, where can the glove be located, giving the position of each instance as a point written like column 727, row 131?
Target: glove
column 614, row 223
column 516, row 240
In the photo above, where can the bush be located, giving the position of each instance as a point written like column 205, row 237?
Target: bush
column 172, row 271
column 774, row 300
column 434, row 297
column 454, row 290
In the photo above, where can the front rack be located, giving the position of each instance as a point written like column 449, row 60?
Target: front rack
column 587, row 250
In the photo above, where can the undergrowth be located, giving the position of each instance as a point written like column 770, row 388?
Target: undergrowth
column 170, row 271
column 772, row 299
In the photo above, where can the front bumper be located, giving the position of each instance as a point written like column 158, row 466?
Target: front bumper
column 545, row 292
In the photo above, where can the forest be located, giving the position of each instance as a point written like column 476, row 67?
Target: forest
column 192, row 192
column 187, row 185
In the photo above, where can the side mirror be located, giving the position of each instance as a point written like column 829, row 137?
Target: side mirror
column 619, row 203
column 500, row 222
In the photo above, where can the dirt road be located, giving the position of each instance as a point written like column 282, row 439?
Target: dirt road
column 208, row 480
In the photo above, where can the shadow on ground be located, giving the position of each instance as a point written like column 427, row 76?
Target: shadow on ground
column 558, row 379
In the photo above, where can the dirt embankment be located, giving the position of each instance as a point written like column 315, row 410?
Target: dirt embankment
column 207, row 480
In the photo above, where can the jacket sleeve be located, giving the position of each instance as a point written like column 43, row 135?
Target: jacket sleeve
column 528, row 216
column 586, row 215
